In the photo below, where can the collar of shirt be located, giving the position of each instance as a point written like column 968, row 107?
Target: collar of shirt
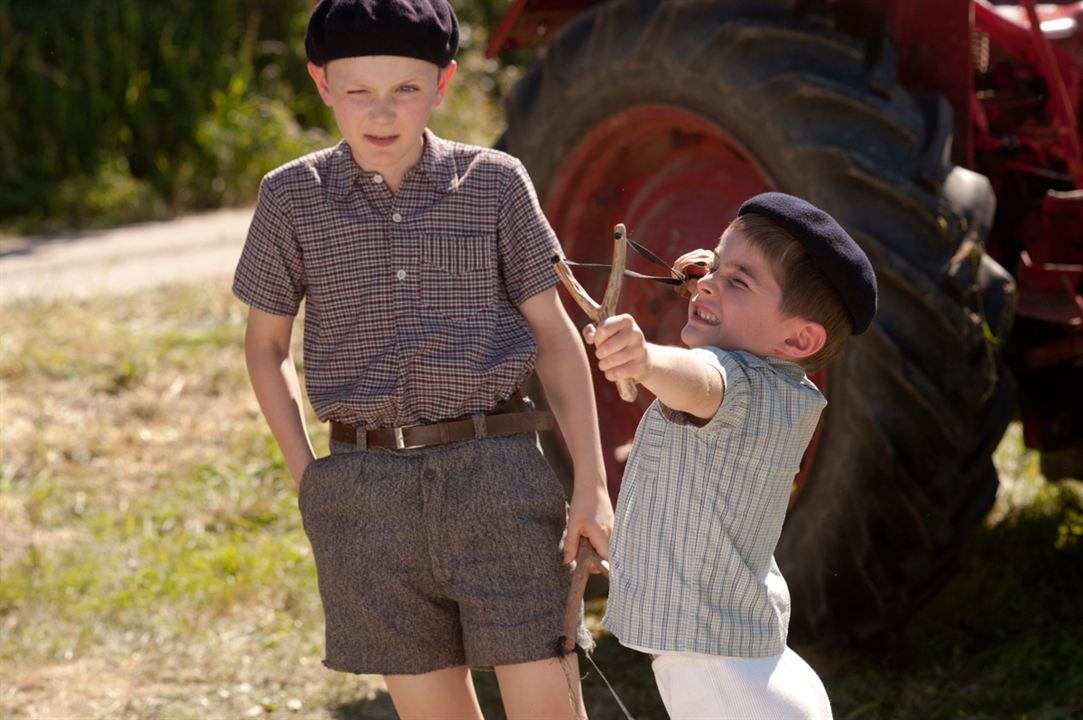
column 786, row 367
column 437, row 166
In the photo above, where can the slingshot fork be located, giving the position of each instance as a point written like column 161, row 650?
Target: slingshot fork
column 599, row 312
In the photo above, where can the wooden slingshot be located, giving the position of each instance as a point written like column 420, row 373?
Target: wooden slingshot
column 599, row 312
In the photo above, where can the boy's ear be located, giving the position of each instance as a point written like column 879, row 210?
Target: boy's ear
column 806, row 338
column 442, row 80
column 319, row 76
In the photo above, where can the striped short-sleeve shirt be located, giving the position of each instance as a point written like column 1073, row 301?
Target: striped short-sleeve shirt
column 700, row 512
column 410, row 297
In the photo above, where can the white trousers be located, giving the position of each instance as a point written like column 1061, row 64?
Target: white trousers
column 710, row 687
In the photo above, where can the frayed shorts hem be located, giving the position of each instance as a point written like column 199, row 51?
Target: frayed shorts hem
column 498, row 661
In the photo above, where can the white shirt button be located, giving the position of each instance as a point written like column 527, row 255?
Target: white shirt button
column 396, row 217
column 378, row 179
column 401, row 274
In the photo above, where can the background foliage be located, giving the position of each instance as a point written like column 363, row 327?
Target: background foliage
column 118, row 110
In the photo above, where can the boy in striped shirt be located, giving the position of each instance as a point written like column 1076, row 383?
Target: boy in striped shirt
column 693, row 579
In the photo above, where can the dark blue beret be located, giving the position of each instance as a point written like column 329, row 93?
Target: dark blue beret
column 423, row 29
column 832, row 249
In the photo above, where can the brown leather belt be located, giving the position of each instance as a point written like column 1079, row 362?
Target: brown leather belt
column 508, row 418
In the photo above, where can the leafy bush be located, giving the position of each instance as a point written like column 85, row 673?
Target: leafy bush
column 118, row 107
column 119, row 110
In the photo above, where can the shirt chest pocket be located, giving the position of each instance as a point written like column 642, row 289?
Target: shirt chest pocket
column 459, row 276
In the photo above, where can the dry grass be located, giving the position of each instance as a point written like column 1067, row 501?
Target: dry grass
column 153, row 564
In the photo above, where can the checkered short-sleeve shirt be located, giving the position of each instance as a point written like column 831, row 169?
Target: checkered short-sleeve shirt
column 700, row 512
column 410, row 298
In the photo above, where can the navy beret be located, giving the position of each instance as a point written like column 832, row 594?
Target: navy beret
column 832, row 249
column 423, row 29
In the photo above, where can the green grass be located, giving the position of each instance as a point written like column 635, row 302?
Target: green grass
column 152, row 563
column 1002, row 640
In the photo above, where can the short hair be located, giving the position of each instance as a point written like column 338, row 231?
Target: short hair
column 806, row 291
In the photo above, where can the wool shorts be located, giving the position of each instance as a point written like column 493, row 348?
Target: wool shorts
column 437, row 557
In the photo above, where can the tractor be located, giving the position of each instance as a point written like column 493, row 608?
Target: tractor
column 945, row 136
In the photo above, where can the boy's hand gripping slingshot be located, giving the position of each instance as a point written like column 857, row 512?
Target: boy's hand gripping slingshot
column 599, row 312
column 682, row 274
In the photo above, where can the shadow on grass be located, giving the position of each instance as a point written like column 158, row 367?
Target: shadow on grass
column 1001, row 640
column 628, row 671
column 632, row 679
column 377, row 708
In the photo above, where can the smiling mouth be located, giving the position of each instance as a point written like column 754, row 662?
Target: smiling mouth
column 705, row 316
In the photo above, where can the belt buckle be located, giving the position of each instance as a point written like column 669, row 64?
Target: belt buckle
column 400, row 442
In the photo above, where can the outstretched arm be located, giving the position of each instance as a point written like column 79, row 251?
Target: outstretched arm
column 278, row 390
column 676, row 377
column 565, row 373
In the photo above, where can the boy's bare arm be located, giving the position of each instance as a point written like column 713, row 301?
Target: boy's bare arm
column 677, row 378
column 278, row 390
column 565, row 373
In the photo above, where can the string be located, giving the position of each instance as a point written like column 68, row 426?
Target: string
column 612, row 692
column 645, row 252
column 627, row 273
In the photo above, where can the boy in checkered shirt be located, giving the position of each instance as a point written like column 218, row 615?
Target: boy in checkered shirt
column 436, row 524
column 693, row 579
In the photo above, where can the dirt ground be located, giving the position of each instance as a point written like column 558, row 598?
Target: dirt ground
column 190, row 248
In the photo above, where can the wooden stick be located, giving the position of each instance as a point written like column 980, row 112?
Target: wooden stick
column 586, row 562
column 616, row 273
column 584, row 301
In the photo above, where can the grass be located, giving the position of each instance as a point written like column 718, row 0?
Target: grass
column 153, row 564
column 1002, row 639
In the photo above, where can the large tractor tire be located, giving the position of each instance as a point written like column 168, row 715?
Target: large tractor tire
column 666, row 115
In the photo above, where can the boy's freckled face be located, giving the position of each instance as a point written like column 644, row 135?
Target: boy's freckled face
column 736, row 305
column 382, row 105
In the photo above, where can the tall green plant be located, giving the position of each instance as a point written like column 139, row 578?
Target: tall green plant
column 106, row 88
column 115, row 110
